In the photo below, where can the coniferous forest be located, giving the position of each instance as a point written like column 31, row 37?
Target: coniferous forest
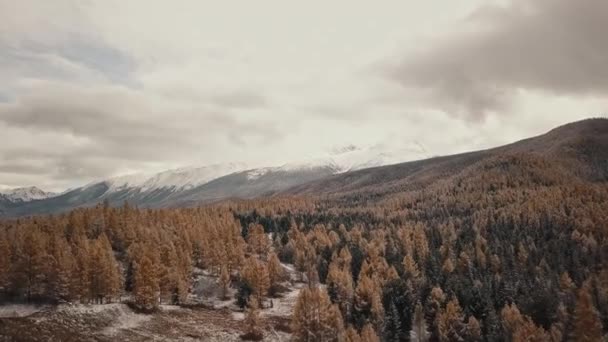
column 306, row 171
column 513, row 247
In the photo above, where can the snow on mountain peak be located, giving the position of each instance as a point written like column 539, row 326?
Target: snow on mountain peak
column 25, row 194
column 190, row 177
column 125, row 182
column 349, row 158
column 353, row 158
column 337, row 160
column 175, row 179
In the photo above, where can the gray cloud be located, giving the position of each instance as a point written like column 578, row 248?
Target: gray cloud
column 23, row 168
column 97, row 131
column 240, row 99
column 553, row 46
column 77, row 58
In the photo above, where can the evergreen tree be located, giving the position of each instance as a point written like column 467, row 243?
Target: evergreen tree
column 276, row 273
column 340, row 286
column 410, row 267
column 252, row 320
column 146, row 287
column 257, row 240
column 451, row 322
column 255, row 273
column 105, row 279
column 368, row 334
column 315, row 318
column 392, row 324
column 419, row 332
column 29, row 270
column 473, row 329
column 5, row 262
column 587, row 323
column 351, row 335
column 62, row 272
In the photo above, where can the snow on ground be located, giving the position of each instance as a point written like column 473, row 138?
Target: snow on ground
column 168, row 307
column 20, row 310
column 221, row 304
column 283, row 306
column 88, row 308
column 120, row 315
column 292, row 274
column 125, row 319
column 238, row 316
column 117, row 322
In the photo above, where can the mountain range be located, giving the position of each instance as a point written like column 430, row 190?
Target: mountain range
column 579, row 149
column 203, row 184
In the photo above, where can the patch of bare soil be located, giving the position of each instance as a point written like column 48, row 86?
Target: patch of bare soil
column 117, row 322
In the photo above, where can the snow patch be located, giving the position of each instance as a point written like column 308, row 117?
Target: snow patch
column 20, row 310
column 283, row 307
column 167, row 307
column 125, row 319
column 257, row 173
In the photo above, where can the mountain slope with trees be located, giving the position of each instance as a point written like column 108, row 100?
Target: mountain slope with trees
column 579, row 147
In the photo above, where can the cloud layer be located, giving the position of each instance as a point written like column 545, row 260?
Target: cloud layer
column 553, row 46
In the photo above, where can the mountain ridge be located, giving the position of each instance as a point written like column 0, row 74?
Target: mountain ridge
column 205, row 184
column 580, row 148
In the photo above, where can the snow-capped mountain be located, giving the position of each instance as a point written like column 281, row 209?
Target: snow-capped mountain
column 175, row 180
column 26, row 194
column 338, row 160
column 351, row 158
column 195, row 185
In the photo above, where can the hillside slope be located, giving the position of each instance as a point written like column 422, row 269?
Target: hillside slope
column 581, row 148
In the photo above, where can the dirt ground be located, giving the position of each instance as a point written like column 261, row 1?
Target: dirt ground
column 215, row 321
column 117, row 322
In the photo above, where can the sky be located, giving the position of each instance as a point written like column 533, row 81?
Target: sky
column 93, row 89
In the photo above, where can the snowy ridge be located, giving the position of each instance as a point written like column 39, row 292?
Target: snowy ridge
column 352, row 158
column 187, row 178
column 175, row 179
column 254, row 174
column 337, row 160
column 203, row 184
column 348, row 158
column 26, row 194
column 123, row 182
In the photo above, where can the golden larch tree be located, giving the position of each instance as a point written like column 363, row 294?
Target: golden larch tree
column 587, row 323
column 315, row 318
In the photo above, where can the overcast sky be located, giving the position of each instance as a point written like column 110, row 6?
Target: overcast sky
column 92, row 89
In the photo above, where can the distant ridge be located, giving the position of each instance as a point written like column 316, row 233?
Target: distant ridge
column 580, row 147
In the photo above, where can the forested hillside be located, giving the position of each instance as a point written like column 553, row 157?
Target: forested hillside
column 503, row 245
